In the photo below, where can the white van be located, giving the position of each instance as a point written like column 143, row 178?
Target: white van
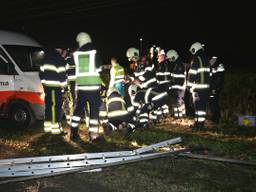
column 21, row 92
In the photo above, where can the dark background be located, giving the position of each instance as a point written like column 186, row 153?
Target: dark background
column 227, row 30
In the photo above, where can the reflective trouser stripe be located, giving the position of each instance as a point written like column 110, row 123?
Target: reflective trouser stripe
column 47, row 126
column 143, row 118
column 93, row 129
column 200, row 116
column 53, row 106
column 75, row 121
column 56, row 129
column 165, row 109
column 93, row 126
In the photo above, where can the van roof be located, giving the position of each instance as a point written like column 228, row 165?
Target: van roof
column 14, row 38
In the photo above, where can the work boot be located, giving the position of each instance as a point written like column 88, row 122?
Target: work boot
column 74, row 134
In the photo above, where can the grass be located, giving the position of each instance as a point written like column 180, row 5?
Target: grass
column 157, row 175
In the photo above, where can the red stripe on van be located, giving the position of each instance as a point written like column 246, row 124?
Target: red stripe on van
column 30, row 97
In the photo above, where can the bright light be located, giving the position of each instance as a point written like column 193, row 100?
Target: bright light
column 141, row 39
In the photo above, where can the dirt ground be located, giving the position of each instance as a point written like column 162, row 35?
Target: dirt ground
column 167, row 174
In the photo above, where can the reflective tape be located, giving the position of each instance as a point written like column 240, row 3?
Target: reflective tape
column 200, row 113
column 47, row 129
column 178, row 87
column 52, row 68
column 74, row 124
column 130, row 109
column 159, row 96
column 115, row 99
column 144, row 85
column 93, row 129
column 103, row 113
column 76, row 118
column 200, row 119
column 147, row 95
column 117, row 113
column 204, row 69
column 178, row 75
column 192, row 71
column 88, row 88
column 93, row 121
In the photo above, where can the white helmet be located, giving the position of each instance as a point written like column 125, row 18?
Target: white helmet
column 83, row 38
column 132, row 52
column 172, row 54
column 195, row 47
column 132, row 89
column 161, row 52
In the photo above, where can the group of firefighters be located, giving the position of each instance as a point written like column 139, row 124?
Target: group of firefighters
column 135, row 98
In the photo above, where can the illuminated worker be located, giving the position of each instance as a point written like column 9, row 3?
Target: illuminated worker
column 198, row 82
column 88, row 85
column 114, row 113
column 163, row 75
column 178, row 83
column 216, row 86
column 132, row 55
column 71, row 76
column 53, row 78
column 117, row 75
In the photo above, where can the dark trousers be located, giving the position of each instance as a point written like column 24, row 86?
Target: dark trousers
column 179, row 107
column 200, row 98
column 83, row 98
column 214, row 108
column 53, row 104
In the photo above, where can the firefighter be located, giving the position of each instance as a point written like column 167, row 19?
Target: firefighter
column 145, row 101
column 114, row 113
column 71, row 76
column 163, row 75
column 88, row 85
column 53, row 78
column 132, row 55
column 216, row 85
column 117, row 75
column 198, row 83
column 178, row 83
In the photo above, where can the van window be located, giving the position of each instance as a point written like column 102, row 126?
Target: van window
column 3, row 63
column 27, row 58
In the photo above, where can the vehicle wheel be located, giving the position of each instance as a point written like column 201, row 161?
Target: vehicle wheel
column 20, row 116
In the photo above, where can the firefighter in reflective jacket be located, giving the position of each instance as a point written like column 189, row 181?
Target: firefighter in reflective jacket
column 178, row 83
column 198, row 82
column 88, row 85
column 163, row 75
column 216, row 85
column 53, row 78
column 71, row 76
column 146, row 101
column 114, row 113
column 117, row 75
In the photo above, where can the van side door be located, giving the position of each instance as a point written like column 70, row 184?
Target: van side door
column 7, row 73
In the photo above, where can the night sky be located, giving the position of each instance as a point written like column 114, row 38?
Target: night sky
column 227, row 30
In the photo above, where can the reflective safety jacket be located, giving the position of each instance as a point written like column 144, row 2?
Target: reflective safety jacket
column 113, row 106
column 146, row 75
column 178, row 75
column 148, row 96
column 163, row 73
column 53, row 71
column 87, row 68
column 199, row 72
column 116, row 75
column 217, row 77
